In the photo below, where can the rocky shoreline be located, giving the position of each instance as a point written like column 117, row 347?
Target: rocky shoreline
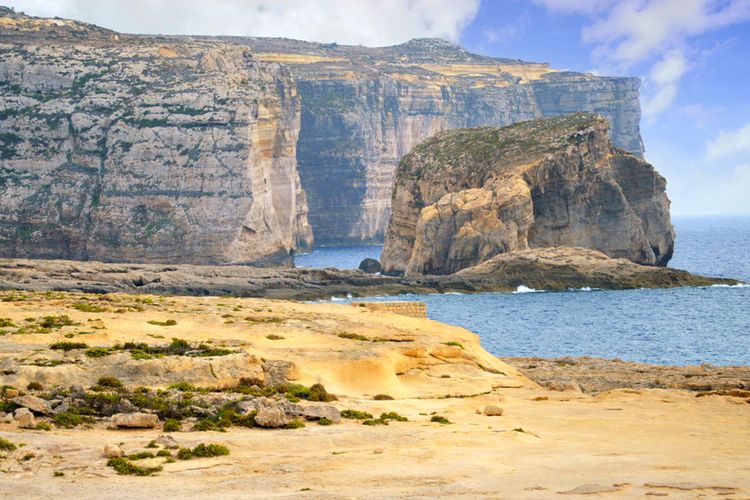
column 596, row 375
column 554, row 269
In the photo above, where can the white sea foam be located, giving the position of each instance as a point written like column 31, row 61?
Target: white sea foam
column 583, row 289
column 525, row 289
column 738, row 285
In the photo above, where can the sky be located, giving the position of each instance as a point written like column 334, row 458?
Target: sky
column 693, row 57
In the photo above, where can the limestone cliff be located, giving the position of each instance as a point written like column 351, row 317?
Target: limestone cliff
column 127, row 148
column 466, row 195
column 364, row 108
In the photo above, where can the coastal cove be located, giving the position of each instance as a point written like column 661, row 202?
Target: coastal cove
column 679, row 326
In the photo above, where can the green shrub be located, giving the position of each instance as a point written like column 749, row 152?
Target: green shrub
column 34, row 386
column 126, row 468
column 6, row 445
column 454, row 344
column 169, row 322
column 374, row 421
column 294, row 424
column 172, row 425
column 354, row 336
column 87, row 307
column 69, row 419
column 97, row 352
column 43, row 426
column 210, row 450
column 58, row 473
column 392, row 415
column 383, row 397
column 110, row 382
column 6, row 322
column 56, row 322
column 184, row 453
column 184, row 387
column 164, row 453
column 356, row 414
column 324, row 421
column 141, row 455
column 318, row 393
column 67, row 346
column 440, row 420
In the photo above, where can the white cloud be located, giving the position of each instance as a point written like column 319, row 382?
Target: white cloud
column 729, row 144
column 666, row 75
column 365, row 22
column 626, row 33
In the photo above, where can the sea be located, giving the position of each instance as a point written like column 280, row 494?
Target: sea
column 678, row 326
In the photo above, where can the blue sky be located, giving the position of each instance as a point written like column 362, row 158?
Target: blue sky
column 696, row 125
column 693, row 57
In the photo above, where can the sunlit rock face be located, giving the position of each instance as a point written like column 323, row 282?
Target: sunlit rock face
column 128, row 148
column 466, row 195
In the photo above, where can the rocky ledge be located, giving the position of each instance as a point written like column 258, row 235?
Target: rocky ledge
column 559, row 268
column 597, row 375
column 466, row 195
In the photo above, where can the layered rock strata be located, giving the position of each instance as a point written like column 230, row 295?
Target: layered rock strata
column 364, row 108
column 126, row 148
column 466, row 195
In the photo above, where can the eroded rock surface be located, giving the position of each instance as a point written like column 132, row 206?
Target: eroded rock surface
column 364, row 108
column 464, row 196
column 128, row 148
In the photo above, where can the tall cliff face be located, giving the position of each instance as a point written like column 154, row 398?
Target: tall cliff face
column 466, row 195
column 363, row 109
column 125, row 148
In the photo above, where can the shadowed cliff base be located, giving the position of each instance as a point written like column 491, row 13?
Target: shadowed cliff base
column 554, row 269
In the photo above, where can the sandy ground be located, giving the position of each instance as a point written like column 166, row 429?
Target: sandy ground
column 619, row 444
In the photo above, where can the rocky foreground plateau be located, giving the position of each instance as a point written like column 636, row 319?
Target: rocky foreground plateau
column 236, row 397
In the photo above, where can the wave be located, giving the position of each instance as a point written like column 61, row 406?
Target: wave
column 738, row 285
column 525, row 289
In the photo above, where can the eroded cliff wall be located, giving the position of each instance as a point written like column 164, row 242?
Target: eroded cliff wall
column 125, row 148
column 364, row 108
column 466, row 195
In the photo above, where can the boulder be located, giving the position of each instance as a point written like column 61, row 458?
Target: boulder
column 167, row 441
column 24, row 418
column 370, row 266
column 135, row 420
column 493, row 411
column 33, row 403
column 316, row 412
column 271, row 417
column 113, row 451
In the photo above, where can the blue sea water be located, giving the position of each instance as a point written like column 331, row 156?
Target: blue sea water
column 679, row 326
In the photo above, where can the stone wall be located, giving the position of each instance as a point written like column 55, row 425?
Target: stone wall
column 413, row 309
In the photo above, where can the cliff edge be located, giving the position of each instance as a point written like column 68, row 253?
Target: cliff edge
column 466, row 195
column 144, row 149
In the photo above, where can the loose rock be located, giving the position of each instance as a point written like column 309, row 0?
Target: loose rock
column 271, row 417
column 135, row 420
column 25, row 418
column 113, row 451
column 493, row 411
column 33, row 403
